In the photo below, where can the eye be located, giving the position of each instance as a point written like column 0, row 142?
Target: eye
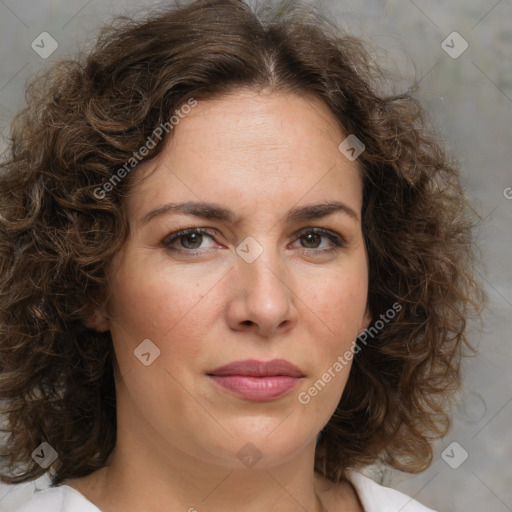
column 189, row 239
column 313, row 237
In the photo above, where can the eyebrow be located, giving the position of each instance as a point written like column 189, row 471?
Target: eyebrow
column 214, row 211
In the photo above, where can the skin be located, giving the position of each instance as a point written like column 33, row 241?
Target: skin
column 259, row 154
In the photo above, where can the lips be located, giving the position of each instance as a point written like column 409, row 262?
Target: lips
column 254, row 368
column 257, row 380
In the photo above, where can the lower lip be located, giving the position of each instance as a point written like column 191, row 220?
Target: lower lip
column 257, row 389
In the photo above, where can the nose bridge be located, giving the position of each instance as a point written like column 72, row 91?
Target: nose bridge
column 263, row 293
column 261, row 266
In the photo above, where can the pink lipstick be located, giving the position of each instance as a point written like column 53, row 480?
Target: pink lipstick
column 257, row 381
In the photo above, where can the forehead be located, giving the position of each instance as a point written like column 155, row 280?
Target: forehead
column 260, row 124
column 251, row 147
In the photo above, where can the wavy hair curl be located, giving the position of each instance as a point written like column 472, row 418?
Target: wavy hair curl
column 84, row 119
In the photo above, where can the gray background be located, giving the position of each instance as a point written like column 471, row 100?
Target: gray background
column 470, row 101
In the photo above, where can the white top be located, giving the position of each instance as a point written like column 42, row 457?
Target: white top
column 374, row 498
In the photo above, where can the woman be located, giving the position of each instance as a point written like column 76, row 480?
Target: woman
column 199, row 220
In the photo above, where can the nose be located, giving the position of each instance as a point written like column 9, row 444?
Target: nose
column 262, row 299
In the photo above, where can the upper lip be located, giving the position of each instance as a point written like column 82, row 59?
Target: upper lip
column 255, row 368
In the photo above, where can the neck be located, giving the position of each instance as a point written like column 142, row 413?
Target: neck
column 205, row 487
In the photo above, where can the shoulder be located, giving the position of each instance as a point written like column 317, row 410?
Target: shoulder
column 377, row 498
column 62, row 498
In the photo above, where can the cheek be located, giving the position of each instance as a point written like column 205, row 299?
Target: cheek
column 174, row 309
column 153, row 303
column 340, row 303
column 159, row 306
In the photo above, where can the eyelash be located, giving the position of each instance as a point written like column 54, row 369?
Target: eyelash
column 336, row 239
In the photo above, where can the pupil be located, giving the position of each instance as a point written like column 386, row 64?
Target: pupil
column 310, row 236
column 192, row 236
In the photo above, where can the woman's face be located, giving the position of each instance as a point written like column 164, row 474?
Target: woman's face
column 257, row 286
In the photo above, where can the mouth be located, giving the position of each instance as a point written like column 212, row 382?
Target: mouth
column 257, row 381
column 254, row 368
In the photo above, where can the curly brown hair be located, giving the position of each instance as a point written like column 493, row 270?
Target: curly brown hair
column 85, row 117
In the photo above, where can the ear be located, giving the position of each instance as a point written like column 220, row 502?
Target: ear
column 97, row 321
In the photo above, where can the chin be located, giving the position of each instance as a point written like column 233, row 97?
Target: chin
column 261, row 445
